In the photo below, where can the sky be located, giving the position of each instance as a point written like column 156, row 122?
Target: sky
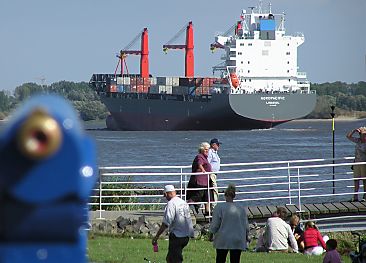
column 57, row 40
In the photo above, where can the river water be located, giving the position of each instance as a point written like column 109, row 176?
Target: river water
column 301, row 139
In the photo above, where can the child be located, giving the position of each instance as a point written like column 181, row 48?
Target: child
column 332, row 255
column 312, row 238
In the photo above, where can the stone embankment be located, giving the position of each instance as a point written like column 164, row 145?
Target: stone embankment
column 137, row 225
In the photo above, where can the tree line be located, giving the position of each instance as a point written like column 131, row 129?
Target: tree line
column 349, row 99
column 82, row 97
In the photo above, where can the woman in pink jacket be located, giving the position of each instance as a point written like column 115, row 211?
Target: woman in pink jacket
column 313, row 241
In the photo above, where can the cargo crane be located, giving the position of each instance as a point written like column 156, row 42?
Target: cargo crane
column 237, row 26
column 143, row 52
column 189, row 57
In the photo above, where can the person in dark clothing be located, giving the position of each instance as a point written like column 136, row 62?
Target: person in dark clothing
column 202, row 167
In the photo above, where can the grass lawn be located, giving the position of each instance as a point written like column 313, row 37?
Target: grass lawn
column 115, row 249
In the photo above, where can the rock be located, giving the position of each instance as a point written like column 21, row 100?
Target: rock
column 129, row 229
column 122, row 222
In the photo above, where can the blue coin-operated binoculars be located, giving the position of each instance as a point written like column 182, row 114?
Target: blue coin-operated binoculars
column 47, row 171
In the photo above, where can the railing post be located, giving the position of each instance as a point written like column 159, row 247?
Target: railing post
column 289, row 183
column 181, row 184
column 299, row 190
column 100, row 195
column 185, row 186
column 209, row 196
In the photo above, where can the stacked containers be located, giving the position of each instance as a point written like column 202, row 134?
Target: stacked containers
column 111, row 85
column 162, row 85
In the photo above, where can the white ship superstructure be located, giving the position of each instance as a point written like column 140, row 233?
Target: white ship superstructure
column 260, row 57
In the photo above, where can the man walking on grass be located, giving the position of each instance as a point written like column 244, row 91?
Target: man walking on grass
column 177, row 218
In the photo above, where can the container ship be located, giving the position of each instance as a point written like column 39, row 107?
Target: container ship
column 257, row 86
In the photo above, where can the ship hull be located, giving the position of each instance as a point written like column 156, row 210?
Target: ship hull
column 139, row 112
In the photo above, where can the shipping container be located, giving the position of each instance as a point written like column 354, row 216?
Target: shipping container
column 112, row 88
column 120, row 81
column 120, row 88
column 165, row 89
column 169, row 81
column 161, row 80
column 126, row 81
column 154, row 89
column 127, row 88
column 153, row 81
column 142, row 89
column 175, row 81
column 202, row 90
column 180, row 90
column 188, row 82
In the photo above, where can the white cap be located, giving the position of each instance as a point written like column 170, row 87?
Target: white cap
column 169, row 188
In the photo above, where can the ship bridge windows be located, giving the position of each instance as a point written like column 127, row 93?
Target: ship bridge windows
column 288, row 53
column 240, row 53
column 242, row 44
column 250, row 44
column 248, row 62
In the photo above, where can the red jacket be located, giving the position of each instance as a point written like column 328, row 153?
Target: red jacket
column 311, row 236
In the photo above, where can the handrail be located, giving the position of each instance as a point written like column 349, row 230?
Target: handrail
column 277, row 182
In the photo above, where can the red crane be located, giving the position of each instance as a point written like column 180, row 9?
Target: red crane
column 143, row 52
column 189, row 58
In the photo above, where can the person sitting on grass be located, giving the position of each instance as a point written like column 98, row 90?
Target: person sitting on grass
column 332, row 255
column 297, row 231
column 278, row 232
column 312, row 238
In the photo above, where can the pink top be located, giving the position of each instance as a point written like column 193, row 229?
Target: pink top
column 311, row 237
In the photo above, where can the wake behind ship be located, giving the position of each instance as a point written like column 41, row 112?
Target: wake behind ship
column 258, row 87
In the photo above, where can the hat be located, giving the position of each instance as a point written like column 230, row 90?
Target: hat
column 362, row 130
column 214, row 140
column 169, row 188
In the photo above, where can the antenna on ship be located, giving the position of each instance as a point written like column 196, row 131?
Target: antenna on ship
column 270, row 8
column 260, row 7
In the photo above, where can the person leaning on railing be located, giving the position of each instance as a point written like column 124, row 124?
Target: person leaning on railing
column 202, row 167
column 359, row 171
column 214, row 159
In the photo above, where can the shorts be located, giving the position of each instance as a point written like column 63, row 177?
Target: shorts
column 175, row 249
column 359, row 171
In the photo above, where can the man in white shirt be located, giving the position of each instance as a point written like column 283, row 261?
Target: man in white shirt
column 177, row 218
column 214, row 159
column 278, row 232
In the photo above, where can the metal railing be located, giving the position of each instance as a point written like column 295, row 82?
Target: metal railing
column 258, row 183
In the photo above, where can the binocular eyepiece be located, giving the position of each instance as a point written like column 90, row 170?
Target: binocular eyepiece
column 39, row 136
